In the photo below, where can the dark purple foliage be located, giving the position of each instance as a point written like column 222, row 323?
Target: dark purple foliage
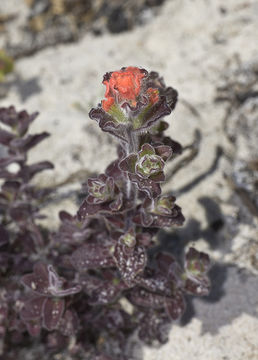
column 130, row 260
column 48, row 306
column 101, row 253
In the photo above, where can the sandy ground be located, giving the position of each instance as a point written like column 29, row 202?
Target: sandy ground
column 191, row 43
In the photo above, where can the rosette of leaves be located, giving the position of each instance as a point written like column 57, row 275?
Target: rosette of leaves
column 145, row 168
column 195, row 275
column 104, row 196
column 162, row 212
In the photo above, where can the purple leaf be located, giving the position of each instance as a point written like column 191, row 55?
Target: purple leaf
column 53, row 310
column 28, row 171
column 69, row 234
column 3, row 311
column 87, row 210
column 175, row 275
column 164, row 261
column 106, row 293
column 69, row 323
column 22, row 212
column 11, row 159
column 55, row 341
column 146, row 238
column 102, row 357
column 8, row 116
column 24, row 144
column 128, row 163
column 152, row 214
column 177, row 148
column 114, row 171
column 118, row 221
column 21, row 120
column 115, row 319
column 156, row 283
column 91, row 256
column 154, row 326
column 146, row 149
column 130, row 261
column 175, row 306
column 163, row 151
column 11, row 187
column 32, row 309
column 55, row 283
column 5, row 137
column 144, row 219
column 102, row 291
column 116, row 205
column 36, row 193
column 150, row 187
column 101, row 189
column 156, row 112
column 71, row 231
column 106, row 123
column 4, row 236
column 90, row 283
column 157, row 82
column 64, row 216
column 171, row 97
column 44, row 280
column 66, row 291
column 33, row 327
column 24, row 121
column 197, row 263
column 198, row 286
column 4, row 261
column 55, row 287
column 5, row 174
column 176, row 218
column 141, row 297
column 38, row 281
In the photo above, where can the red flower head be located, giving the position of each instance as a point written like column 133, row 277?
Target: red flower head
column 126, row 85
column 135, row 99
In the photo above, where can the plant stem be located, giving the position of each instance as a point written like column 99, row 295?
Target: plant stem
column 132, row 192
column 132, row 147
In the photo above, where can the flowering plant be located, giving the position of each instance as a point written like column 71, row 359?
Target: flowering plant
column 103, row 252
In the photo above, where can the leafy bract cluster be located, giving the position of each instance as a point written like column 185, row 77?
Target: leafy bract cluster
column 94, row 280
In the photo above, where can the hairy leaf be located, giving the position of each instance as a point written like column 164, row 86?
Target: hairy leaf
column 68, row 324
column 25, row 144
column 146, row 299
column 37, row 281
column 91, row 256
column 130, row 261
column 52, row 312
column 154, row 326
column 175, row 306
column 32, row 309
